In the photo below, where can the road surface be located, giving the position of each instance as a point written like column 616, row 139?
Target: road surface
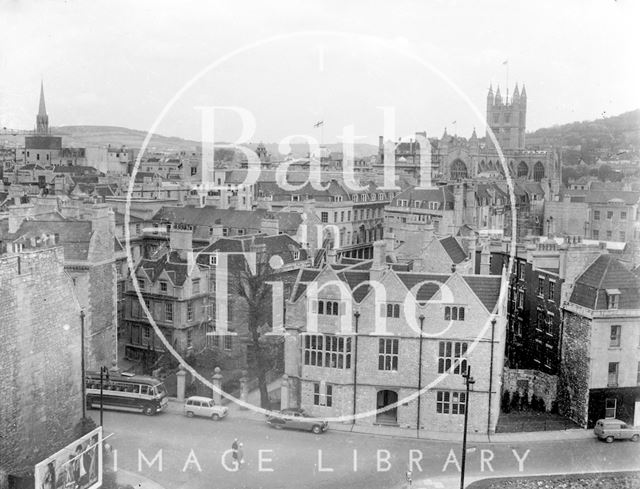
column 189, row 453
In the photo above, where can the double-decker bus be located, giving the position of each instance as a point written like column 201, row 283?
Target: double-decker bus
column 126, row 392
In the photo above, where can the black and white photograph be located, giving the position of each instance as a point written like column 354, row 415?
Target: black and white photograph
column 319, row 244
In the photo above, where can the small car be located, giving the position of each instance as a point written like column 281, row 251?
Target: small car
column 613, row 429
column 297, row 419
column 204, row 406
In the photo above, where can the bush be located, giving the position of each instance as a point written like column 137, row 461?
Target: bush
column 534, row 403
column 506, row 402
column 191, row 389
column 516, row 401
column 542, row 405
column 84, row 426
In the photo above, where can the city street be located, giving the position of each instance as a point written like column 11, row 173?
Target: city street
column 190, row 451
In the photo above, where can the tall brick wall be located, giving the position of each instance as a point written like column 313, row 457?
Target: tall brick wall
column 573, row 383
column 40, row 364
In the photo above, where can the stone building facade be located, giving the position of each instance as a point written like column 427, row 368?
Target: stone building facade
column 87, row 234
column 600, row 372
column 353, row 348
column 40, row 360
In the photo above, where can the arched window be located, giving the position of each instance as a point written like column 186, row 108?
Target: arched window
column 458, row 170
column 447, row 313
column 454, row 313
column 396, row 310
column 538, row 171
column 523, row 170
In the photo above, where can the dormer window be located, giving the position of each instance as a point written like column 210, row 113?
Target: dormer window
column 296, row 255
column 213, row 259
column 613, row 297
column 163, row 287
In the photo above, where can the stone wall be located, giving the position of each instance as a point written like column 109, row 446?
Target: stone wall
column 573, row 384
column 101, row 346
column 533, row 382
column 40, row 361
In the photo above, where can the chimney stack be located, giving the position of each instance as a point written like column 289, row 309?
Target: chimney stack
column 17, row 214
column 379, row 260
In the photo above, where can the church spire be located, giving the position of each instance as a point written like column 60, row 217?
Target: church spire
column 498, row 99
column 42, row 119
column 43, row 108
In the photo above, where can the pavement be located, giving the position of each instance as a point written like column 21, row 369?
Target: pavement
column 175, row 406
column 127, row 478
column 237, row 411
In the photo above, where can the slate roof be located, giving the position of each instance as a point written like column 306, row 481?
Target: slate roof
column 442, row 195
column 604, row 196
column 606, row 272
column 306, row 275
column 31, row 166
column 485, row 287
column 74, row 236
column 231, row 218
column 453, row 249
column 76, row 170
column 281, row 245
column 353, row 279
column 426, row 291
column 119, row 218
column 175, row 267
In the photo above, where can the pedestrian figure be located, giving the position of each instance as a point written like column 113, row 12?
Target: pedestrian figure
column 240, row 454
column 234, row 449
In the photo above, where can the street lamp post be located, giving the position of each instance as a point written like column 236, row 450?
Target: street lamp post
column 354, row 361
column 104, row 375
column 468, row 380
column 82, row 367
column 419, row 375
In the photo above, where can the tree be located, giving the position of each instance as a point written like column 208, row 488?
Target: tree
column 506, row 402
column 515, row 401
column 251, row 286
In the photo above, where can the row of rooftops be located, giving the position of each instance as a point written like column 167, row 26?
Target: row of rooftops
column 610, row 196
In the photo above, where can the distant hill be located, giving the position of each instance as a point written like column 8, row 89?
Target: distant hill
column 88, row 136
column 91, row 136
column 590, row 138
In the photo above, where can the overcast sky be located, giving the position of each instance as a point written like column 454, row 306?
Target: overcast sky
column 120, row 63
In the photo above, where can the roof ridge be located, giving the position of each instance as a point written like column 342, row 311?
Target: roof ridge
column 604, row 273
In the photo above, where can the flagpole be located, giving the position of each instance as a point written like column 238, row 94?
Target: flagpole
column 507, row 63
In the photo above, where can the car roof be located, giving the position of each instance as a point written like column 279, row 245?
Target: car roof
column 199, row 398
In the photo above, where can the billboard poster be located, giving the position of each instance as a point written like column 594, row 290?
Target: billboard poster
column 76, row 466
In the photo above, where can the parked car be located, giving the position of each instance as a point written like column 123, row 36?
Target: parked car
column 297, row 419
column 613, row 429
column 204, row 406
